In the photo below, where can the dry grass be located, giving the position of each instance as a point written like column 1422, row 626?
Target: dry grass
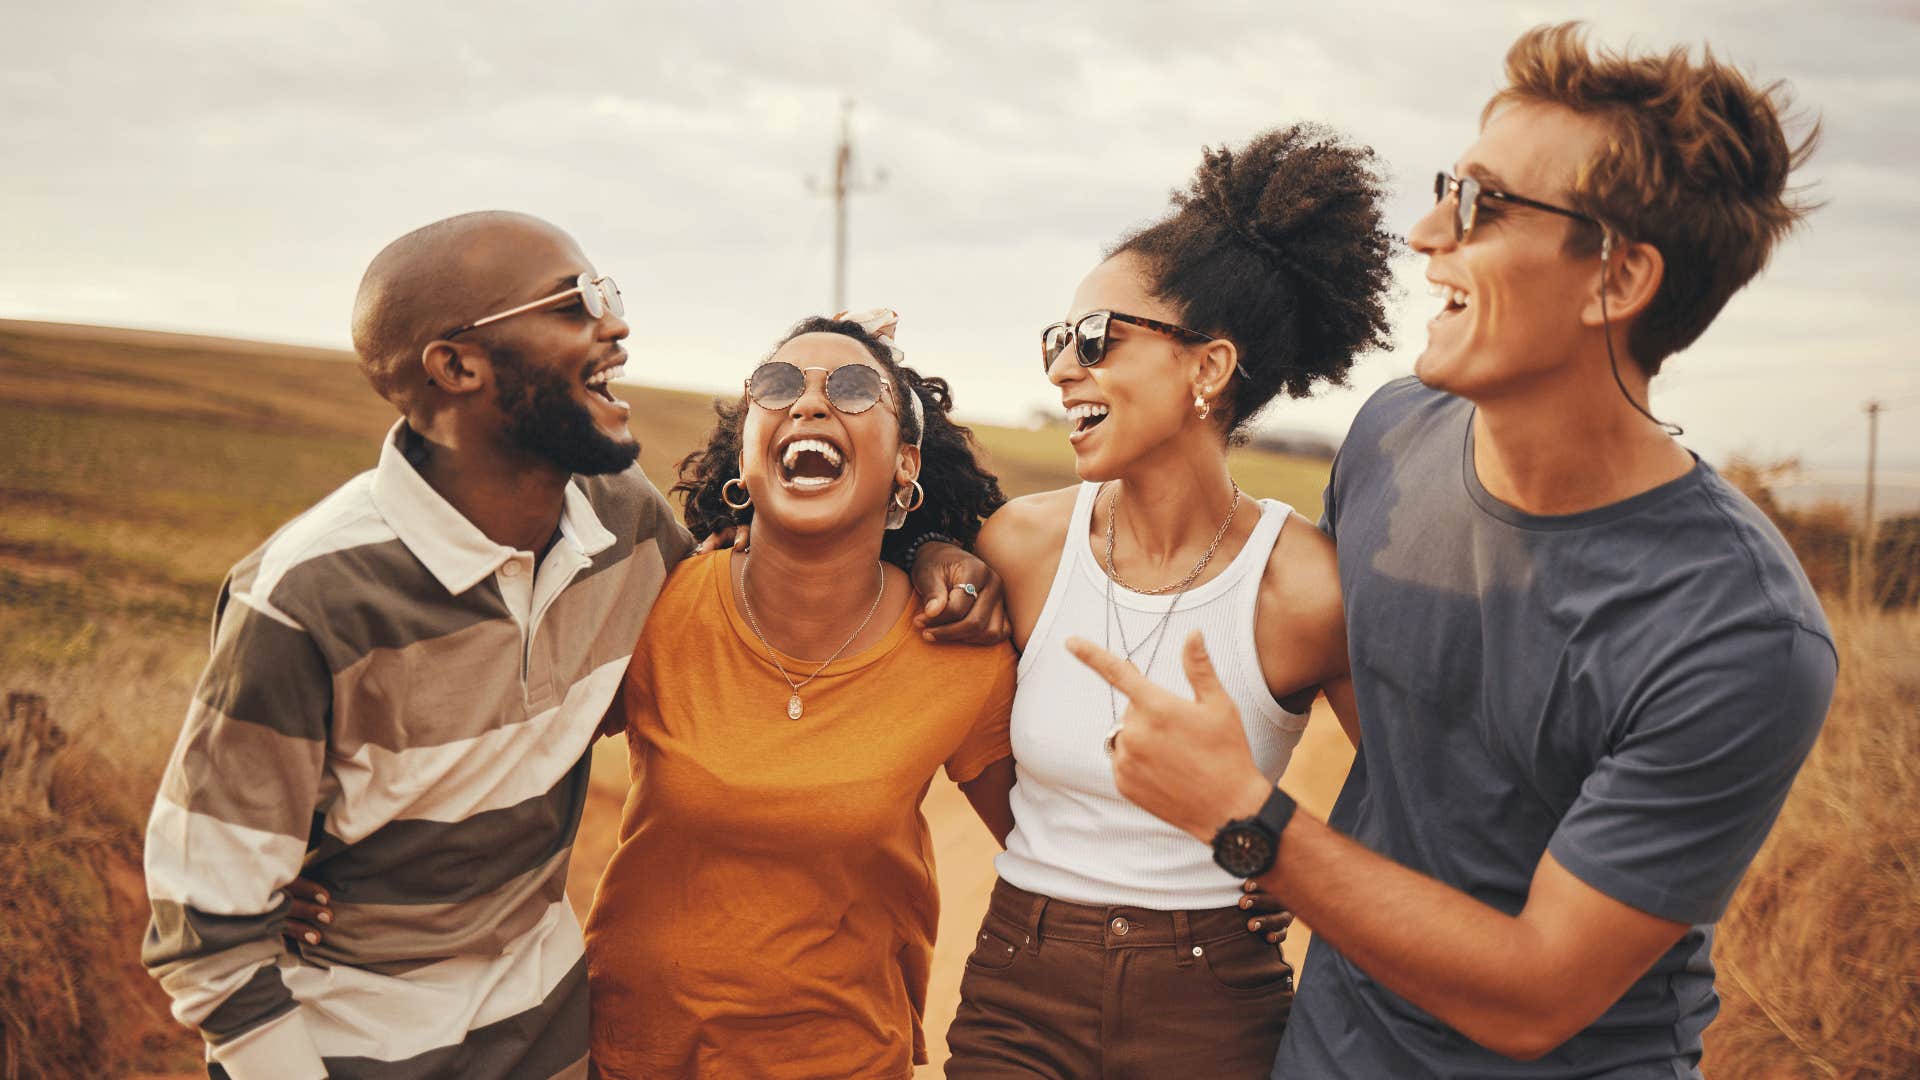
column 1819, row 956
column 136, row 468
column 74, row 1000
column 126, row 491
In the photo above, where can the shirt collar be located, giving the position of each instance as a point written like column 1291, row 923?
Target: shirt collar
column 452, row 548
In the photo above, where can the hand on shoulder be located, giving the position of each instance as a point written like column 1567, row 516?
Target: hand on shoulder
column 1022, row 541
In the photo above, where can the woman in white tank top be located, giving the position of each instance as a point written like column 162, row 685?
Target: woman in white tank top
column 1113, row 946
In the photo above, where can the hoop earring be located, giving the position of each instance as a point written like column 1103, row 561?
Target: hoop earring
column 1201, row 408
column 897, row 511
column 743, row 503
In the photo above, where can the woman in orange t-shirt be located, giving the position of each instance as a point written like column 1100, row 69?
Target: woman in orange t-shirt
column 770, row 909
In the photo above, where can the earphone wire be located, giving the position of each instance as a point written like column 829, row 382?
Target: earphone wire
column 1613, row 362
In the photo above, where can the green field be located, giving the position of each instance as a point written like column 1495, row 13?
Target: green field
column 136, row 467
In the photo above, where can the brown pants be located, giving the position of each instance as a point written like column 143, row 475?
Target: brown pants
column 1064, row 990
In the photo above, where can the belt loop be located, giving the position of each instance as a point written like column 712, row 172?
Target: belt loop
column 1182, row 940
column 1033, row 924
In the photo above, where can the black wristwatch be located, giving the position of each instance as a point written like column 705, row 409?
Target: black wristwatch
column 1245, row 847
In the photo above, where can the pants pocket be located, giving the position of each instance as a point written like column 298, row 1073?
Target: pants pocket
column 1247, row 966
column 997, row 945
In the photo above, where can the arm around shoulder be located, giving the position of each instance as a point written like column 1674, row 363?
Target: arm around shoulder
column 1026, row 527
column 1022, row 541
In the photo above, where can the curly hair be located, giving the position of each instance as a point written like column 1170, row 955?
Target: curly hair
column 1278, row 248
column 959, row 492
column 1696, row 164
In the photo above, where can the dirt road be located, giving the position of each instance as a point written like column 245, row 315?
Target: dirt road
column 964, row 853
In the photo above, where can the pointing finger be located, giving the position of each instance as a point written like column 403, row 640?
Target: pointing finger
column 1117, row 671
column 1199, row 666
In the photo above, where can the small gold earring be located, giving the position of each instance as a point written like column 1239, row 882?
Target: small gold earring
column 1200, row 407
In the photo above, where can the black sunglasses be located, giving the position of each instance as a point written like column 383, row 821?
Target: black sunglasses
column 851, row 388
column 1469, row 193
column 1091, row 334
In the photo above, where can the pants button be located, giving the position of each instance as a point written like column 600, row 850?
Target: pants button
column 1121, row 927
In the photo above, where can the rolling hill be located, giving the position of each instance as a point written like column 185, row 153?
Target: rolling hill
column 135, row 468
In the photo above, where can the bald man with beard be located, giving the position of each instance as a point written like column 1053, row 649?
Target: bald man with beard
column 404, row 684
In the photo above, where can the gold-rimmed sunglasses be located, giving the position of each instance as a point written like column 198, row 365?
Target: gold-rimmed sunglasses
column 851, row 388
column 598, row 295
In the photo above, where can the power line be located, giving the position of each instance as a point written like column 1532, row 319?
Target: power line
column 844, row 183
column 1863, row 566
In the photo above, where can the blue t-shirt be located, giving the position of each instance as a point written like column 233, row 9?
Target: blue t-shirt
column 1632, row 688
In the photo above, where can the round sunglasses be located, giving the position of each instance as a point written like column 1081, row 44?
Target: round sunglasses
column 598, row 295
column 1090, row 335
column 851, row 388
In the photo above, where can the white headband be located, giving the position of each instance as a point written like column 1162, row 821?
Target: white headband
column 883, row 323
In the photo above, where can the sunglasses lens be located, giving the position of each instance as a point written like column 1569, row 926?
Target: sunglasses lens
column 1053, row 340
column 1439, row 186
column 1092, row 333
column 612, row 293
column 1463, row 213
column 853, row 388
column 590, row 297
column 776, row 384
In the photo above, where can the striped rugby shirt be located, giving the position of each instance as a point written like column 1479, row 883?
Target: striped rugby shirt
column 399, row 708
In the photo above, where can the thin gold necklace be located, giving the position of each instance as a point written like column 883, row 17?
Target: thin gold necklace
column 746, row 601
column 1113, row 515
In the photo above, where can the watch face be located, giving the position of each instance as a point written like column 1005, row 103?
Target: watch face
column 1244, row 850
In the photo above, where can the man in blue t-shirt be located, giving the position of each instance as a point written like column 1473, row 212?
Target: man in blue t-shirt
column 1586, row 668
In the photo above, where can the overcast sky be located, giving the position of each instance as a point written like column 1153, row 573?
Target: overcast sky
column 231, row 168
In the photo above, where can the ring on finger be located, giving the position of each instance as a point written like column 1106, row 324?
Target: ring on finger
column 968, row 588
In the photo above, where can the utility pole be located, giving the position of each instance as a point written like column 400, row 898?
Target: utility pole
column 1871, row 532
column 844, row 183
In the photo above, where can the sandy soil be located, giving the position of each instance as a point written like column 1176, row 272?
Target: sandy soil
column 964, row 852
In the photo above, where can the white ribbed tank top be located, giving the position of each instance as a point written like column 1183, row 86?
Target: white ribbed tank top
column 1075, row 837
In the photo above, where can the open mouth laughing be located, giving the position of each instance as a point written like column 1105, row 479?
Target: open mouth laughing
column 1084, row 417
column 810, row 462
column 599, row 384
column 1456, row 300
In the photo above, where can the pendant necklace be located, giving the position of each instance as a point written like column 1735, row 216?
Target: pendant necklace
column 746, row 601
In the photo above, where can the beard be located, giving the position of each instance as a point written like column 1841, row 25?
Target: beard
column 546, row 420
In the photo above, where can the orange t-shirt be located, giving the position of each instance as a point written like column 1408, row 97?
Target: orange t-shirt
column 770, row 911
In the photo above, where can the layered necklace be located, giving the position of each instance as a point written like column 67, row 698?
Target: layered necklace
column 746, row 601
column 1179, row 589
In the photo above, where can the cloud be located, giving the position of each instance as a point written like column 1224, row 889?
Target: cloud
column 231, row 169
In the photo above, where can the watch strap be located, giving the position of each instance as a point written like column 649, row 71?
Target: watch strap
column 1276, row 812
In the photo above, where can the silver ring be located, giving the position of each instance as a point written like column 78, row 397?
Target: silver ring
column 1112, row 741
column 967, row 587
